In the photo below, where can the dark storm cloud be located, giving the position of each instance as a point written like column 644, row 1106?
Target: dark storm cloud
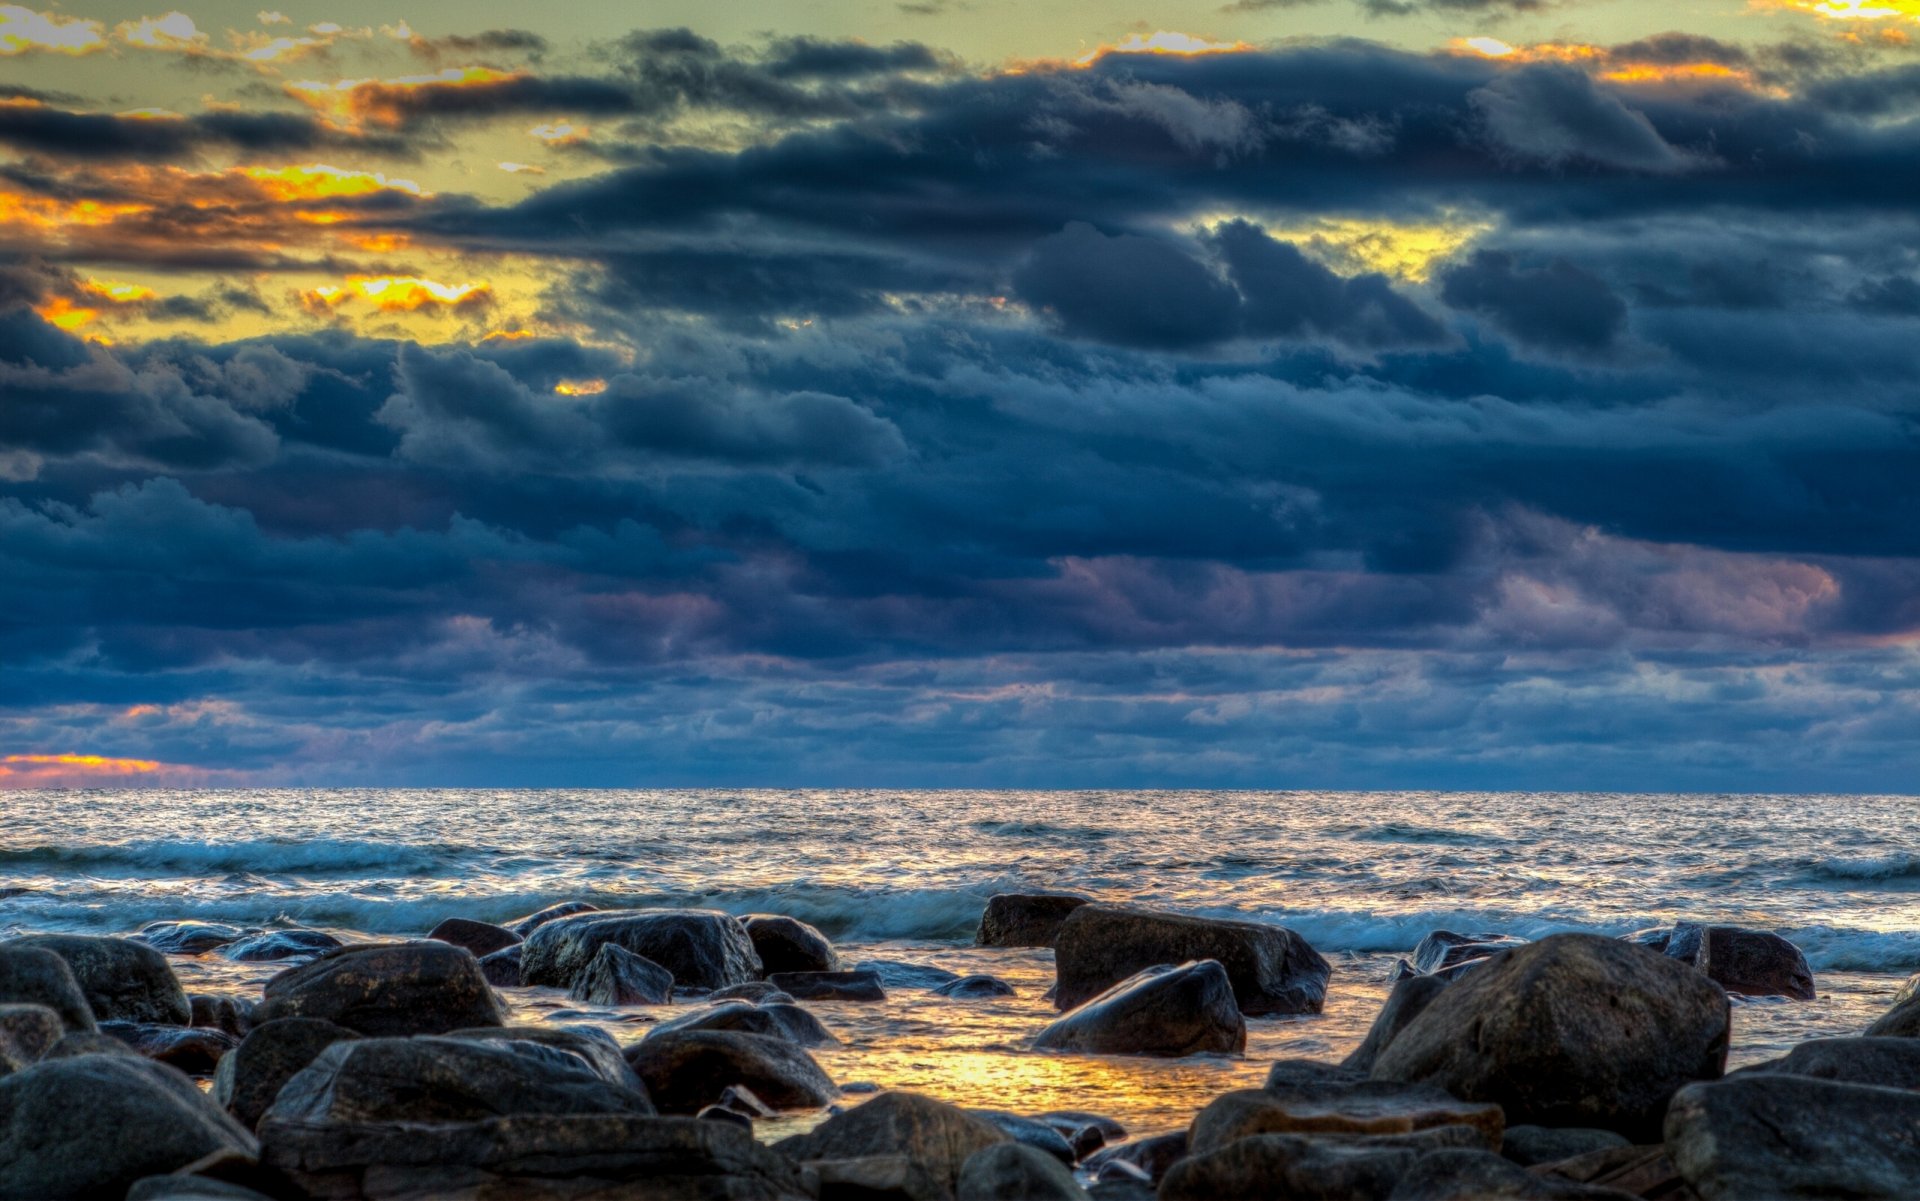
column 61, row 133
column 1556, row 305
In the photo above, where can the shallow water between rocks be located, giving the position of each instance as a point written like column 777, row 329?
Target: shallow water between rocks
column 903, row 876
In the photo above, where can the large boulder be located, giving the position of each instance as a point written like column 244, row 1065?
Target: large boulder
column 88, row 1127
column 1573, row 1030
column 1025, row 919
column 482, row 938
column 1170, row 1011
column 607, row 1157
column 1769, row 1135
column 777, row 1020
column 687, row 1070
column 787, row 944
column 934, row 1138
column 703, row 948
column 1753, row 963
column 269, row 946
column 524, row 926
column 446, row 1080
column 37, row 976
column 187, row 938
column 122, row 980
column 384, row 989
column 1887, row 1062
column 1902, row 1018
column 1016, row 1172
column 1370, row 1107
column 616, row 976
column 251, row 1075
column 195, row 1050
column 1409, row 997
column 1272, row 969
column 27, row 1033
column 1308, row 1168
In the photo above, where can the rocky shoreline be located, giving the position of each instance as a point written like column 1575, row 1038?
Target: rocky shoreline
column 1575, row 1066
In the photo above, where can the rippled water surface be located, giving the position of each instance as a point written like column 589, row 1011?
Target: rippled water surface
column 904, row 876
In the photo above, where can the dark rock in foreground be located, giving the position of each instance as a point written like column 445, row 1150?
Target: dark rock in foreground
column 36, row 976
column 88, row 1127
column 1271, row 968
column 1169, row 1011
column 1529, row 1145
column 1443, row 949
column 1573, row 1030
column 1015, row 1172
column 1466, row 1175
column 445, row 1080
column 933, row 1138
column 384, row 989
column 605, row 1157
column 252, row 1074
column 195, row 1050
column 688, row 1070
column 27, row 1033
column 1298, row 1166
column 482, row 938
column 1030, row 1131
column 502, row 968
column 616, row 976
column 122, row 980
column 703, row 948
column 1025, row 919
column 230, row 1015
column 1409, row 997
column 895, row 974
column 1153, row 1155
column 266, row 946
column 783, row 1021
column 1902, row 1018
column 591, row 1046
column 1765, row 1136
column 787, row 944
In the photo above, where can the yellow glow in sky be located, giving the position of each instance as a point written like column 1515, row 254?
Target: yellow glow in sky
column 22, row 29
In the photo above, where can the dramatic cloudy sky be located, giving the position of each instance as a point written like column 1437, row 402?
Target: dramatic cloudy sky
column 1319, row 393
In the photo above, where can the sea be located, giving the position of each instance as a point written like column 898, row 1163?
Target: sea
column 903, row 876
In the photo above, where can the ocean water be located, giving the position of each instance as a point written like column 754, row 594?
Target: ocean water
column 904, row 876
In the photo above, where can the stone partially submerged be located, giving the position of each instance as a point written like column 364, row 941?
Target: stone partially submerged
column 1753, row 963
column 703, row 948
column 383, row 989
column 1272, row 969
column 1165, row 1010
column 1573, row 1030
column 787, row 944
column 1409, row 997
column 777, row 1020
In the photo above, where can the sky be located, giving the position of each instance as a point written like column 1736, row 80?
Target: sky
column 1404, row 394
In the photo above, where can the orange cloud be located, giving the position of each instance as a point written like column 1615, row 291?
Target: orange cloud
column 72, row 771
column 1605, row 63
column 580, row 387
column 388, row 102
column 23, row 29
column 397, row 294
column 1852, row 10
column 319, row 181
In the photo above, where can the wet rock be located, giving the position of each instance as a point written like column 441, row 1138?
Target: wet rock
column 687, row 1070
column 27, row 1033
column 616, row 976
column 788, row 1022
column 1303, row 1167
column 1169, row 1011
column 1466, row 1175
column 703, row 948
column 197, row 1051
column 894, row 974
column 608, row 1157
column 253, row 1073
column 1529, row 1145
column 1272, row 969
column 1444, row 949
column 502, row 968
column 829, row 986
column 266, row 946
column 1030, row 1131
column 1025, row 919
column 482, row 938
column 524, row 926
column 182, row 1187
column 1753, row 963
column 1769, row 1135
column 1887, row 1062
column 1902, row 1018
column 1016, row 1172
column 231, row 1015
column 122, row 980
column 1066, row 1120
column 88, row 1127
column 187, row 938
column 1573, row 1030
column 384, row 989
column 1153, row 1155
column 975, row 988
column 1366, row 1109
column 1409, row 997
column 591, row 1045
column 445, row 1080
column 754, row 992
column 934, row 1140
column 786, row 944
column 36, row 976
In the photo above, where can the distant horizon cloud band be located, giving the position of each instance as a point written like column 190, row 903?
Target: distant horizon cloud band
column 1379, row 394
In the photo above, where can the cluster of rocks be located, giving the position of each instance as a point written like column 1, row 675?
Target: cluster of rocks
column 1575, row 1067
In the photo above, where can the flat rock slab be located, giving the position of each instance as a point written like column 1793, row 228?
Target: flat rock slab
column 1326, row 1168
column 1776, row 1136
column 1370, row 1108
column 1887, row 1062
column 687, row 1070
